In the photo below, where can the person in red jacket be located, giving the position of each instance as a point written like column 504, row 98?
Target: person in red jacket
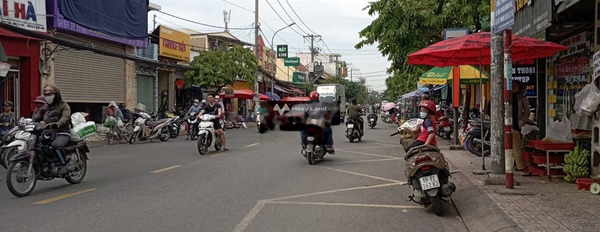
column 428, row 127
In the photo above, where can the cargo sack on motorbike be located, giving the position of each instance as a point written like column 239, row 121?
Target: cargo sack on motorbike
column 85, row 129
column 77, row 119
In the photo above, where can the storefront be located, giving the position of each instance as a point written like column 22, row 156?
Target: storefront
column 173, row 47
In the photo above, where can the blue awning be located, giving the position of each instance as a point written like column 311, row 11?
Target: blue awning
column 439, row 87
column 279, row 88
column 275, row 96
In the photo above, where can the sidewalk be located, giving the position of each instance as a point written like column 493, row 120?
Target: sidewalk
column 537, row 204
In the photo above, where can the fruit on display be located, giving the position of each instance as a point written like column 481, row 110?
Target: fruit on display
column 577, row 164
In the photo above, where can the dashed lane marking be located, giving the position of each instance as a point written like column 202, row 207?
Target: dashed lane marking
column 346, row 204
column 218, row 154
column 252, row 145
column 63, row 196
column 165, row 169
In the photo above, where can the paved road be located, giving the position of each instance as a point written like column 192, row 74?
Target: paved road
column 261, row 184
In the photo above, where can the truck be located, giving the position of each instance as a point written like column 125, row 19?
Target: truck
column 334, row 96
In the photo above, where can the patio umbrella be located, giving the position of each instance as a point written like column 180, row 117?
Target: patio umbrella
column 388, row 106
column 246, row 94
column 444, row 75
column 296, row 99
column 474, row 49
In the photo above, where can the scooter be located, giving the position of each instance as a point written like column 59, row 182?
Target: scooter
column 192, row 124
column 175, row 126
column 426, row 170
column 15, row 141
column 353, row 131
column 314, row 150
column 473, row 142
column 150, row 130
column 207, row 135
column 372, row 118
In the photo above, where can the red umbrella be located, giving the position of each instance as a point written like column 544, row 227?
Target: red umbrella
column 474, row 49
column 245, row 94
column 295, row 99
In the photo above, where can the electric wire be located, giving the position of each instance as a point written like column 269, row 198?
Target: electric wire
column 277, row 13
column 285, row 11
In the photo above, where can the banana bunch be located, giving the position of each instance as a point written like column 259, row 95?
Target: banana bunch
column 577, row 164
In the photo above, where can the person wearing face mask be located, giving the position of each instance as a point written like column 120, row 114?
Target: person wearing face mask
column 428, row 127
column 196, row 108
column 56, row 115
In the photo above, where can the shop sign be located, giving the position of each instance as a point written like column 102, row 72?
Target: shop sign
column 173, row 44
column 266, row 57
column 574, row 44
column 26, row 14
column 596, row 65
column 532, row 17
column 504, row 15
column 292, row 61
column 282, row 51
column 299, row 77
column 525, row 72
column 573, row 70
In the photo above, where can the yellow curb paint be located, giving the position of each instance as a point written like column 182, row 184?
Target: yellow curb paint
column 60, row 197
column 252, row 145
column 218, row 154
column 165, row 169
column 347, row 204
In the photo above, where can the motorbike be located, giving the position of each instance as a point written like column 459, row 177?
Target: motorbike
column 175, row 126
column 353, row 131
column 314, row 150
column 372, row 120
column 150, row 130
column 35, row 163
column 473, row 142
column 192, row 122
column 207, row 135
column 14, row 141
column 443, row 122
column 263, row 123
column 426, row 170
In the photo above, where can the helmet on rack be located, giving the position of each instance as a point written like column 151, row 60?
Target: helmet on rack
column 314, row 96
column 429, row 105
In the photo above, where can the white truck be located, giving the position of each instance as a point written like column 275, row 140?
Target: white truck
column 334, row 95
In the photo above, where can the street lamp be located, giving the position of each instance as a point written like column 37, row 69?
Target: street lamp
column 272, row 43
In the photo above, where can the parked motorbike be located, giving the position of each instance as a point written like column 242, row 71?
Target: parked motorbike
column 192, row 122
column 473, row 142
column 150, row 130
column 175, row 126
column 353, row 131
column 36, row 163
column 372, row 118
column 443, row 122
column 15, row 140
column 207, row 135
column 314, row 150
column 264, row 123
column 426, row 170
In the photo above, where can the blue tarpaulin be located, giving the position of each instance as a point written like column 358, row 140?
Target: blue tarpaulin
column 275, row 96
column 120, row 18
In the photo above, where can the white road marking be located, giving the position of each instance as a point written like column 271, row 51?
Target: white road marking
column 365, row 175
column 248, row 218
column 366, row 161
column 333, row 191
column 369, row 154
column 252, row 145
column 347, row 204
column 165, row 169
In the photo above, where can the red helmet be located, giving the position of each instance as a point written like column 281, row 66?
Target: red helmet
column 314, row 96
column 428, row 104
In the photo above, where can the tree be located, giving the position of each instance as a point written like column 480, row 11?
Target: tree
column 222, row 67
column 405, row 26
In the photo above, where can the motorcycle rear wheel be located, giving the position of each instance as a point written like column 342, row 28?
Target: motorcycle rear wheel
column 472, row 147
column 218, row 144
column 13, row 173
column 133, row 137
column 81, row 169
column 174, row 131
column 310, row 156
column 436, row 205
column 165, row 134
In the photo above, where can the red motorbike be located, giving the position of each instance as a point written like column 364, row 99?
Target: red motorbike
column 444, row 123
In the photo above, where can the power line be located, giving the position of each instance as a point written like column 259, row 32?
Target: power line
column 243, row 8
column 303, row 31
column 302, row 21
column 282, row 18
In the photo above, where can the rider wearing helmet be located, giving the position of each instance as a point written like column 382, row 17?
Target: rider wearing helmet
column 428, row 127
column 314, row 104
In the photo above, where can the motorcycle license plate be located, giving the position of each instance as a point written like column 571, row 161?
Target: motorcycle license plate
column 310, row 138
column 429, row 182
column 350, row 126
column 372, row 120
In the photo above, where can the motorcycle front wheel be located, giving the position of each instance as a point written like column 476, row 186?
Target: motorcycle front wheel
column 6, row 154
column 133, row 137
column 164, row 134
column 472, row 146
column 202, row 148
column 19, row 180
column 80, row 169
column 174, row 130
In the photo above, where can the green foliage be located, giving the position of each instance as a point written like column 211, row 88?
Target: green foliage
column 405, row 26
column 354, row 90
column 221, row 67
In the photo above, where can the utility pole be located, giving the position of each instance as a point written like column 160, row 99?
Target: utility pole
column 351, row 74
column 313, row 51
column 256, row 28
column 509, row 158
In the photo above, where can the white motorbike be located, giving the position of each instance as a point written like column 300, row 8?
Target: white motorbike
column 207, row 135
column 150, row 130
column 18, row 142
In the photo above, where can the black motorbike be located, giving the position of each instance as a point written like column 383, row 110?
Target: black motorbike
column 193, row 121
column 372, row 118
column 37, row 162
column 175, row 127
column 353, row 130
column 473, row 142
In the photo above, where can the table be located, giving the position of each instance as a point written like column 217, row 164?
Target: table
column 548, row 148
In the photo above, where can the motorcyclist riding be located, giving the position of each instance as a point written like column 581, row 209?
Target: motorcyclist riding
column 353, row 112
column 428, row 127
column 328, row 132
column 196, row 108
column 214, row 108
column 372, row 109
column 56, row 115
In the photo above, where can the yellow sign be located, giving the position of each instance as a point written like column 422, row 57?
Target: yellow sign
column 174, row 44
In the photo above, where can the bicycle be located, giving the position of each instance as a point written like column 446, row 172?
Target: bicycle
column 116, row 133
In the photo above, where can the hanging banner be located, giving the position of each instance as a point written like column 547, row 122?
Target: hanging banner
column 26, row 14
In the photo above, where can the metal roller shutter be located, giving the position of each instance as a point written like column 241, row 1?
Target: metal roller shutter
column 87, row 77
column 145, row 91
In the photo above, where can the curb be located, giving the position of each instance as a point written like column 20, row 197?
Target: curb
column 478, row 211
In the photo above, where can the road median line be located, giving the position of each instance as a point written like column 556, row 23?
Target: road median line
column 218, row 154
column 63, row 196
column 165, row 169
column 252, row 145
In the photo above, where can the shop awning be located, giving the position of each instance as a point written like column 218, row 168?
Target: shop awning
column 565, row 5
column 281, row 89
column 245, row 94
column 297, row 90
column 275, row 96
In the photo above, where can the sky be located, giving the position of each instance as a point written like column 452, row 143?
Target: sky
column 337, row 21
